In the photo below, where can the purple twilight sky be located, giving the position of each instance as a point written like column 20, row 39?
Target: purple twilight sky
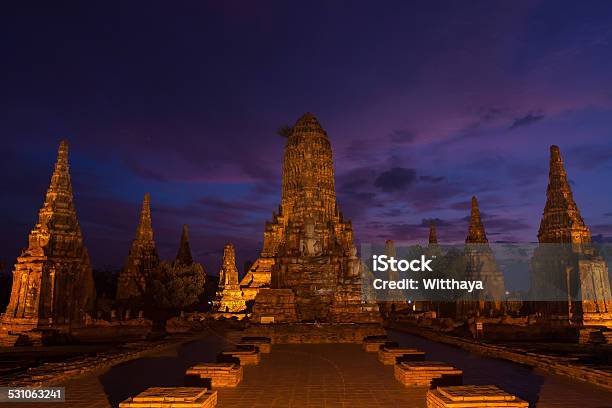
column 425, row 104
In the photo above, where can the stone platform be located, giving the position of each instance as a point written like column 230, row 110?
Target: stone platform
column 246, row 357
column 219, row 374
column 172, row 397
column 320, row 376
column 390, row 355
column 427, row 374
column 372, row 344
column 473, row 396
column 263, row 344
column 316, row 333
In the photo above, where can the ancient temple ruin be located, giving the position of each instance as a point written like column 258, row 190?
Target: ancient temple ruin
column 433, row 249
column 433, row 235
column 229, row 301
column 184, row 256
column 308, row 257
column 570, row 281
column 481, row 265
column 53, row 285
column 142, row 258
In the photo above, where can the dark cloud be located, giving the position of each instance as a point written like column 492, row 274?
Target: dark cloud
column 359, row 178
column 354, row 205
column 395, row 179
column 501, row 225
column 608, row 214
column 425, row 222
column 491, row 113
column 145, row 173
column 432, row 179
column 461, row 205
column 402, row 136
column 232, row 205
column 600, row 238
column 526, row 120
column 588, row 157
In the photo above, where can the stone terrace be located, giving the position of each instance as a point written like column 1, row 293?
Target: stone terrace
column 323, row 375
column 320, row 375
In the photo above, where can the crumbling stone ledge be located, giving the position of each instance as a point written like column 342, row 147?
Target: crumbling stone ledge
column 50, row 374
column 554, row 365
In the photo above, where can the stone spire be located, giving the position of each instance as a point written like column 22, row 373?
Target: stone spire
column 561, row 221
column 229, row 300
column 308, row 173
column 390, row 248
column 144, row 231
column 142, row 258
column 433, row 237
column 476, row 232
column 308, row 259
column 184, row 253
column 52, row 280
column 228, row 269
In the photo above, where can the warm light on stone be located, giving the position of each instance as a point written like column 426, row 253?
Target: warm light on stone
column 229, row 301
column 142, row 258
column 53, row 285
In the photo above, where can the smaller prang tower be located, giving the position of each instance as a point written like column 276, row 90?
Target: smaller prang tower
column 142, row 259
column 229, row 301
column 481, row 265
column 184, row 256
column 570, row 281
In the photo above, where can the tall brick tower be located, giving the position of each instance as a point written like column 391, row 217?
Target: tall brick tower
column 229, row 301
column 52, row 280
column 570, row 281
column 184, row 256
column 308, row 252
column 561, row 221
column 142, row 258
column 481, row 265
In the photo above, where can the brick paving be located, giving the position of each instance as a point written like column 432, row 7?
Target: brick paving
column 542, row 390
column 320, row 375
column 325, row 375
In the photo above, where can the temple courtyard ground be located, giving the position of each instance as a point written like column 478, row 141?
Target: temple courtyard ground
column 324, row 375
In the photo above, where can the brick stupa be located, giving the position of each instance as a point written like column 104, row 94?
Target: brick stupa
column 481, row 265
column 229, row 301
column 142, row 258
column 570, row 281
column 184, row 256
column 53, row 283
column 308, row 258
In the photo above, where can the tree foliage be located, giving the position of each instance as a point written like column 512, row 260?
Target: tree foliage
column 284, row 131
column 175, row 286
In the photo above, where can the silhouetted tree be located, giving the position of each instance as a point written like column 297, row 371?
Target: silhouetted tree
column 176, row 286
column 284, row 131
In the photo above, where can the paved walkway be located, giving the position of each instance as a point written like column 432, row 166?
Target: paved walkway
column 541, row 389
column 321, row 376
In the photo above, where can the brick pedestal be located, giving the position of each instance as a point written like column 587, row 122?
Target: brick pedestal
column 427, row 374
column 390, row 355
column 473, row 396
column 315, row 332
column 219, row 374
column 246, row 357
column 184, row 397
column 264, row 344
column 372, row 344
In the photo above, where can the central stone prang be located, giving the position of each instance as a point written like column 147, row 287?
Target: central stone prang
column 308, row 271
